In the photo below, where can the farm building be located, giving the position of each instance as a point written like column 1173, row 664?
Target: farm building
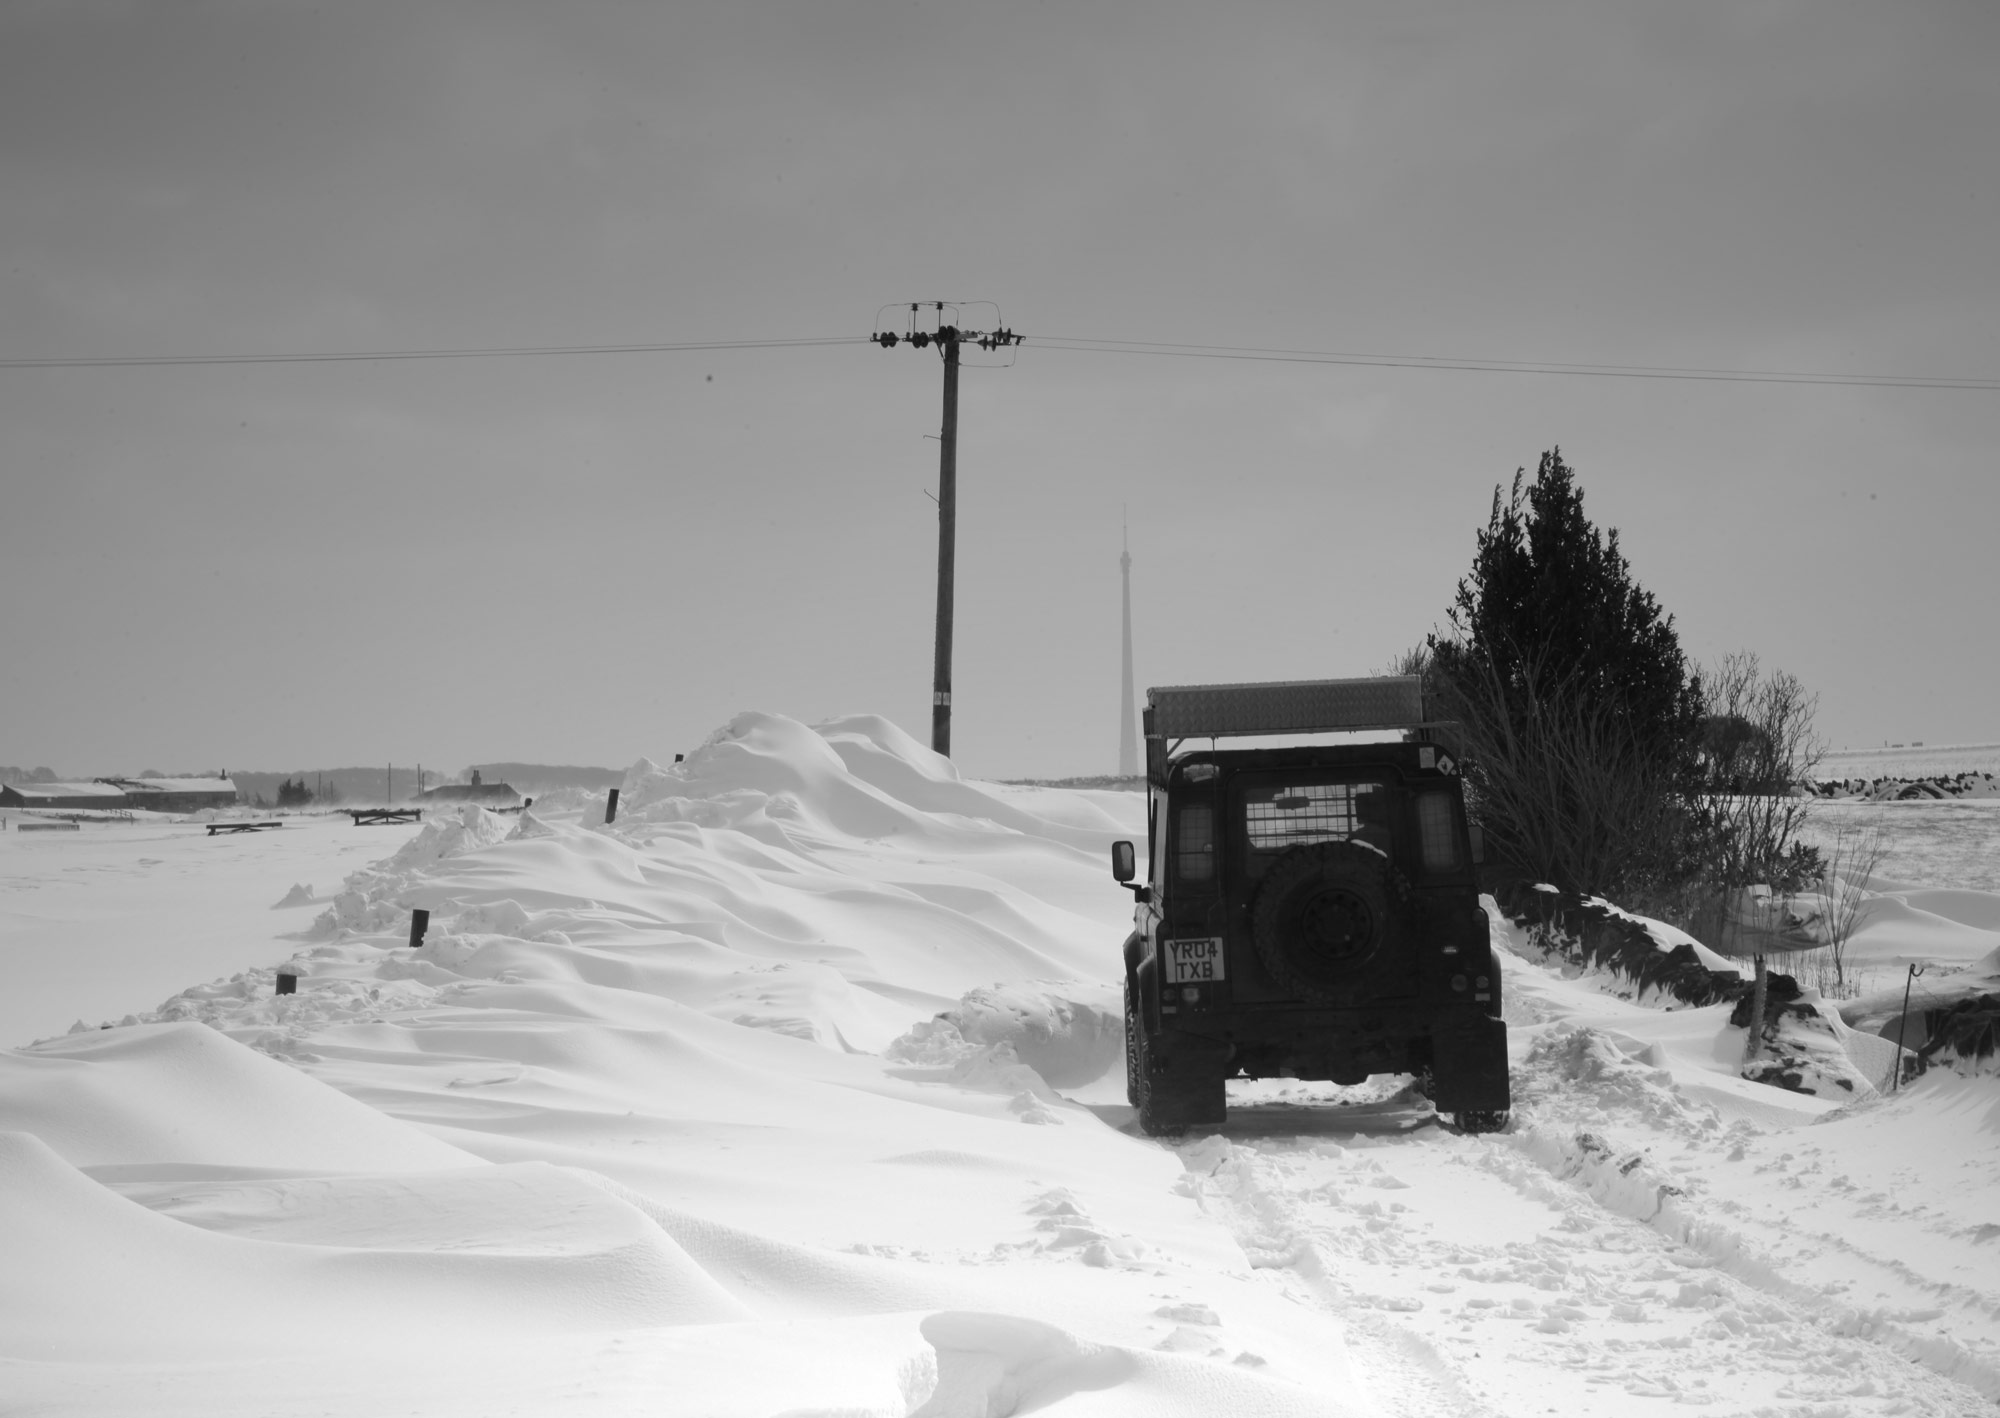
column 174, row 794
column 485, row 794
column 63, row 797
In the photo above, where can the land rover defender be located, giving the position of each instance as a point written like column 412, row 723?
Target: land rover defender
column 1310, row 911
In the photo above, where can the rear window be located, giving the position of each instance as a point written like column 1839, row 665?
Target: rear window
column 1279, row 816
column 1440, row 836
column 1194, row 853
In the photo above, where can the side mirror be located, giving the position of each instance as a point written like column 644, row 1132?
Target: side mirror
column 1478, row 842
column 1123, row 865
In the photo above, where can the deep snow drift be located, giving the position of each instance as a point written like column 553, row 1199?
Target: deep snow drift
column 798, row 1089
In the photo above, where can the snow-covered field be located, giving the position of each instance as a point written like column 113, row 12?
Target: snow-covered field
column 1925, row 843
column 799, row 1090
column 1910, row 761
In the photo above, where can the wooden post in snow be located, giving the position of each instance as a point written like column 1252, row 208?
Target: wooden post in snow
column 1757, row 993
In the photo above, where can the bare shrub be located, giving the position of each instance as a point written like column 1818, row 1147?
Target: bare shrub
column 1759, row 753
column 1851, row 861
column 1567, row 791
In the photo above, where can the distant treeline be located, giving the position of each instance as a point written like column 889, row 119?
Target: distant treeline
column 327, row 786
column 331, row 787
column 533, row 778
column 1097, row 780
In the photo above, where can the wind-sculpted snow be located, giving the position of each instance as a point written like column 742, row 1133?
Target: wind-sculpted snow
column 798, row 1089
column 91, row 1274
column 763, row 1057
column 165, row 1094
column 859, row 777
column 1067, row 1041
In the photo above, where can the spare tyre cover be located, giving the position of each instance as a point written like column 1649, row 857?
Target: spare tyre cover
column 1324, row 913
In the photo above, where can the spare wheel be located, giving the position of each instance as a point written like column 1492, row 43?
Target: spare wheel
column 1323, row 913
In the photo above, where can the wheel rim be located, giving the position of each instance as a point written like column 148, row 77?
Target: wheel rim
column 1336, row 927
column 1323, row 917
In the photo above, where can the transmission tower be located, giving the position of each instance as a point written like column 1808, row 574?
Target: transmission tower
column 1128, row 712
column 947, row 337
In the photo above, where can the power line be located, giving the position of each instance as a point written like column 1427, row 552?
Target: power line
column 481, row 352
column 1079, row 344
column 1167, row 349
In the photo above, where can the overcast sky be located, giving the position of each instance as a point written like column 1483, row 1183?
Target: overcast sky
column 590, row 558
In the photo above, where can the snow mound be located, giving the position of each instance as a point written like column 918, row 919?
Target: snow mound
column 183, row 1093
column 857, row 777
column 991, row 1364
column 372, row 899
column 1895, row 928
column 682, row 1013
column 92, row 1274
column 1806, row 1048
column 528, row 826
column 1067, row 1041
column 472, row 828
column 300, row 895
column 1633, row 1082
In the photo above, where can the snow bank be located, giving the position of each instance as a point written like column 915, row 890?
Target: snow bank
column 858, row 777
column 783, row 1052
column 1069, row 1042
column 91, row 1274
column 795, row 1090
column 1919, row 925
column 1649, row 954
column 1864, row 1218
column 184, row 1093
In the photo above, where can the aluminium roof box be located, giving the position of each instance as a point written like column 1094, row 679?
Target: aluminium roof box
column 1190, row 711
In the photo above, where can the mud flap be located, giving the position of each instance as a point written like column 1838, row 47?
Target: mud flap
column 1469, row 1065
column 1184, row 1085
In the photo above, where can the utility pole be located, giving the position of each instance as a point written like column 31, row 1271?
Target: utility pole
column 947, row 505
column 948, row 337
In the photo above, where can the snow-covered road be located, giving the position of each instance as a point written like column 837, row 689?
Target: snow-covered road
column 798, row 1090
column 1481, row 1275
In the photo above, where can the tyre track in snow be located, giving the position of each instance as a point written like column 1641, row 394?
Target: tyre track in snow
column 1585, row 1104
column 1771, row 1206
column 1456, row 1261
column 1621, row 1249
column 1479, row 1275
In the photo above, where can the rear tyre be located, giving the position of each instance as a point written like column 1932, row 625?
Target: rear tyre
column 1135, row 1048
column 1475, row 1121
column 1172, row 1100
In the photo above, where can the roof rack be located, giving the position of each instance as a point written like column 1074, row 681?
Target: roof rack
column 1192, row 711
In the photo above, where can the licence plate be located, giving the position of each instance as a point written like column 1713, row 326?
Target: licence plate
column 1194, row 962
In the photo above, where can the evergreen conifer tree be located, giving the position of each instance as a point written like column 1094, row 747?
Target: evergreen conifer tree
column 1581, row 720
